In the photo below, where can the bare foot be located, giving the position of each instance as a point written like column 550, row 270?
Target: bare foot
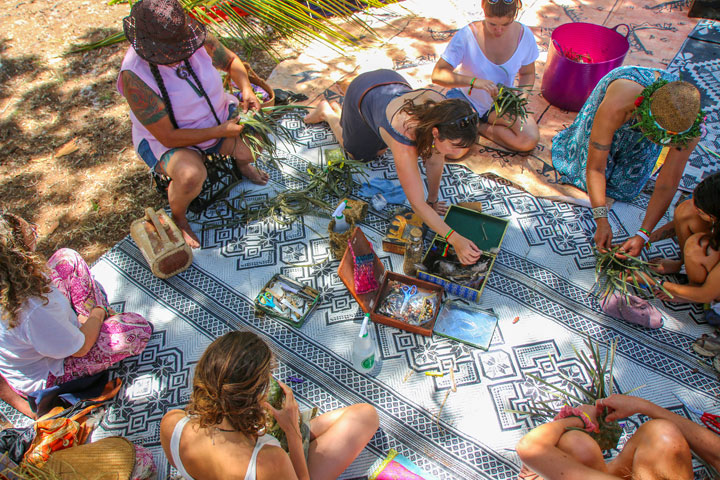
column 665, row 266
column 320, row 113
column 190, row 238
column 254, row 174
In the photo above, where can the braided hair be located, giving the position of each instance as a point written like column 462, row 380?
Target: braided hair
column 707, row 198
column 166, row 98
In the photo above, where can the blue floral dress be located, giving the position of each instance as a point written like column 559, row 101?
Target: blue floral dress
column 632, row 156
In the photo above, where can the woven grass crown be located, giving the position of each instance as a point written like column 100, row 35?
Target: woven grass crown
column 161, row 32
column 675, row 106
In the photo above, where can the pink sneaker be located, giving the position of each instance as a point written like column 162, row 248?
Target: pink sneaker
column 637, row 311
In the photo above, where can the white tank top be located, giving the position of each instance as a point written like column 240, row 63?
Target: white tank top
column 175, row 450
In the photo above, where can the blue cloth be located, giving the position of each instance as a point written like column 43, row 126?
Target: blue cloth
column 392, row 191
column 632, row 156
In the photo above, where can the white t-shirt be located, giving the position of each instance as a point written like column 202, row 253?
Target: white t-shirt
column 464, row 51
column 46, row 335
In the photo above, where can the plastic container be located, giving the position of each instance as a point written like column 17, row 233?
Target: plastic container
column 341, row 225
column 378, row 202
column 363, row 351
column 568, row 83
column 413, row 252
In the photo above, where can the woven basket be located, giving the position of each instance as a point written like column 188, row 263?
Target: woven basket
column 338, row 241
column 109, row 458
column 356, row 210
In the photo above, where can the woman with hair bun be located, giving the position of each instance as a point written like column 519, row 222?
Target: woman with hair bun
column 56, row 322
column 221, row 433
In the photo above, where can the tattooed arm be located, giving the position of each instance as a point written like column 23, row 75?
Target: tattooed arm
column 225, row 60
column 150, row 110
column 617, row 104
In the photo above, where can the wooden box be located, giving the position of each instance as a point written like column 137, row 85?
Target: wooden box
column 161, row 243
column 398, row 234
column 485, row 230
column 369, row 302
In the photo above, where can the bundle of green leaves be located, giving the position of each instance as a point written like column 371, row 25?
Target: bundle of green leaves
column 511, row 102
column 617, row 271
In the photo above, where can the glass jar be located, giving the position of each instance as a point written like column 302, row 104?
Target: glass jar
column 413, row 252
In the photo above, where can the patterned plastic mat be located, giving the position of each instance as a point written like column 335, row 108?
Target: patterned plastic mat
column 542, row 275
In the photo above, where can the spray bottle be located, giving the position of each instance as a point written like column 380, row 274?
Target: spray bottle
column 341, row 224
column 363, row 350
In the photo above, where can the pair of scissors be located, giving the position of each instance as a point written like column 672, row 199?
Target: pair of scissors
column 266, row 298
column 409, row 292
column 712, row 422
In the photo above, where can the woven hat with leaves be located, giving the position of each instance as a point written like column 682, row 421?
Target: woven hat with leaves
column 669, row 113
column 161, row 32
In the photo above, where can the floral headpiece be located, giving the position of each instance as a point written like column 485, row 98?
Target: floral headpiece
column 655, row 132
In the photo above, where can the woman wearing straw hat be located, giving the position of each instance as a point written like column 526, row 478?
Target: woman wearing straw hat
column 611, row 148
column 178, row 107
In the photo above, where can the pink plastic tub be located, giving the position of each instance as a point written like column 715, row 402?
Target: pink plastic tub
column 568, row 83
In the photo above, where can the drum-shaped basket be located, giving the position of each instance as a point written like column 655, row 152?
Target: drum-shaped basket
column 580, row 54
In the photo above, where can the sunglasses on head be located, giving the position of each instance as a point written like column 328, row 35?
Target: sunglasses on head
column 506, row 2
column 463, row 122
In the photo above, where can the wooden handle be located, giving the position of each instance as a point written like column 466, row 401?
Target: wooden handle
column 152, row 216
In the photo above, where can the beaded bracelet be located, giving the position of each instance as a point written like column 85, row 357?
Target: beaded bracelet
column 599, row 212
column 472, row 83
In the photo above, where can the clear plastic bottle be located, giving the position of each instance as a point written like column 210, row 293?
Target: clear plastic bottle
column 341, row 224
column 363, row 350
column 413, row 252
column 378, row 202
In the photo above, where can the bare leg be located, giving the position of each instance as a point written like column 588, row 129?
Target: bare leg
column 339, row 437
column 583, row 448
column 236, row 148
column 515, row 137
column 187, row 173
column 657, row 450
column 324, row 112
column 14, row 399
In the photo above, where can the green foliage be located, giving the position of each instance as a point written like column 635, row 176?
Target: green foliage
column 625, row 274
column 287, row 18
column 600, row 371
column 511, row 103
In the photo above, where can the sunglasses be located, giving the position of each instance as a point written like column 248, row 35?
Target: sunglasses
column 463, row 122
column 506, row 2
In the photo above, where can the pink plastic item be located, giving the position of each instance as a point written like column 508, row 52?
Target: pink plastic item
column 568, row 83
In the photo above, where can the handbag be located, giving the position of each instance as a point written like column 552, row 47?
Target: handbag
column 363, row 271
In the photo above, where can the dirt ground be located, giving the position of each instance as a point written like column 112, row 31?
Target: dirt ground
column 66, row 156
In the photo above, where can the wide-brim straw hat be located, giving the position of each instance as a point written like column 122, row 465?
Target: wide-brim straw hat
column 109, row 458
column 161, row 32
column 675, row 106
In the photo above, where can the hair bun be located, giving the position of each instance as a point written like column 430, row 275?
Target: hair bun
column 675, row 106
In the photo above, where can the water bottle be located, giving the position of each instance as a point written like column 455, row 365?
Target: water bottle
column 378, row 201
column 341, row 224
column 363, row 350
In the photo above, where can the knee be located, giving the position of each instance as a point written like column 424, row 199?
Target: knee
column 685, row 211
column 527, row 140
column 663, row 436
column 368, row 416
column 189, row 177
column 582, row 447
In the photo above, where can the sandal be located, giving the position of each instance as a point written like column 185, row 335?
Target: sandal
column 707, row 346
column 637, row 310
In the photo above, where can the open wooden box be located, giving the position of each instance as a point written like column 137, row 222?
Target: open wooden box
column 369, row 302
column 485, row 230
